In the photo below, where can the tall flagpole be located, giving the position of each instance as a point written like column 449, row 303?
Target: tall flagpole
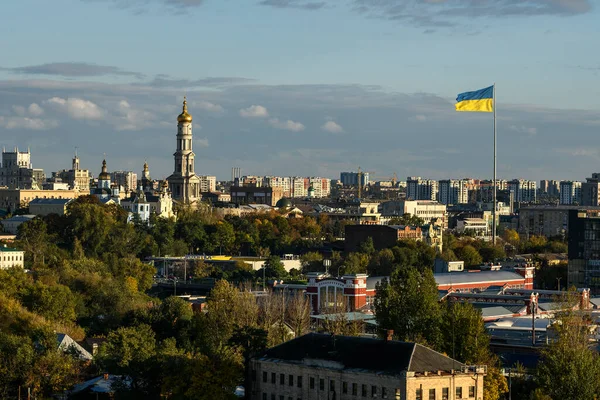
column 494, row 183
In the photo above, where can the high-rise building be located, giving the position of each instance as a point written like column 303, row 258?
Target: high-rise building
column 207, row 183
column 351, row 178
column 590, row 191
column 125, row 179
column 421, row 189
column 453, row 191
column 584, row 252
column 184, row 183
column 570, row 192
column 524, row 190
column 16, row 171
column 550, row 188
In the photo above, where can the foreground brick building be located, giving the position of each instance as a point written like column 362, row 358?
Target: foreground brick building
column 320, row 366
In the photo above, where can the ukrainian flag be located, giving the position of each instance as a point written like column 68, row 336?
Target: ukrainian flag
column 480, row 100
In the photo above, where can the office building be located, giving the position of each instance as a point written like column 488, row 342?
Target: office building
column 16, row 171
column 584, row 250
column 590, row 193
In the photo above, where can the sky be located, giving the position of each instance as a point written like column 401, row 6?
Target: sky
column 304, row 87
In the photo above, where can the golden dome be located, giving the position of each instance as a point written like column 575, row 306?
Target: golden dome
column 104, row 175
column 184, row 116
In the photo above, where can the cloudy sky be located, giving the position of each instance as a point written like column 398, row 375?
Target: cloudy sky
column 304, row 87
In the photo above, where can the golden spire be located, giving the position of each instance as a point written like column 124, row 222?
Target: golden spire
column 184, row 116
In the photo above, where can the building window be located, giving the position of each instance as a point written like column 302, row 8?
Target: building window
column 291, row 380
column 383, row 392
column 445, row 393
column 471, row 391
column 312, row 383
column 264, row 396
column 272, row 397
column 418, row 395
column 344, row 387
column 364, row 390
column 373, row 391
column 459, row 393
column 282, row 379
column 321, row 384
column 273, row 377
column 281, row 397
column 431, row 394
column 265, row 376
column 254, row 375
column 299, row 382
column 354, row 389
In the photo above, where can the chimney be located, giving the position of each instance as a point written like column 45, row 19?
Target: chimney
column 389, row 335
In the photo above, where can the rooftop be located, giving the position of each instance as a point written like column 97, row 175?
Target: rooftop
column 377, row 355
column 50, row 201
column 7, row 249
column 459, row 278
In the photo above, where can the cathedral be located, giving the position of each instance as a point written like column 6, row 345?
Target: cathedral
column 184, row 184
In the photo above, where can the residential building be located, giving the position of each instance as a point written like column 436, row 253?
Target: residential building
column 363, row 212
column 16, row 171
column 322, row 366
column 524, row 190
column 351, row 178
column 43, row 207
column 11, row 225
column 453, row 191
column 11, row 258
column 127, row 180
column 570, row 192
column 207, row 183
column 184, row 184
column 421, row 189
column 282, row 182
column 475, row 226
column 584, row 251
column 550, row 188
column 590, row 191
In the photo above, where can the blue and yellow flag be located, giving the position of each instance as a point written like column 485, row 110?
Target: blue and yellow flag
column 480, row 100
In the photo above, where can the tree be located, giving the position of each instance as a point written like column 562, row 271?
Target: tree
column 570, row 369
column 34, row 238
column 382, row 263
column 408, row 304
column 274, row 268
column 464, row 333
column 298, row 314
column 490, row 253
column 367, row 247
column 311, row 262
column 469, row 255
column 355, row 263
column 224, row 237
column 511, row 236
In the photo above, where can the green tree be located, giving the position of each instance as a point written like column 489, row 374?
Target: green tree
column 274, row 268
column 464, row 335
column 34, row 239
column 311, row 262
column 224, row 237
column 469, row 255
column 408, row 304
column 355, row 263
column 570, row 369
column 367, row 247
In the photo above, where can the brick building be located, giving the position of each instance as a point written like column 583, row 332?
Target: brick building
column 325, row 367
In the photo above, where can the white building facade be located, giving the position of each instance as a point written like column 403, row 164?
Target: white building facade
column 570, row 192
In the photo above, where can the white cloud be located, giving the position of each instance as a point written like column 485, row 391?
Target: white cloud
column 19, row 110
column 254, row 111
column 35, row 110
column 332, row 126
column 523, row 129
column 129, row 118
column 36, row 124
column 201, row 142
column 210, row 107
column 288, row 125
column 77, row 108
column 421, row 118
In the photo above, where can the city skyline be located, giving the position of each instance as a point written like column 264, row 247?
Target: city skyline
column 350, row 91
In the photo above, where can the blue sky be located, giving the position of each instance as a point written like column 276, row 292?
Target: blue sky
column 335, row 84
